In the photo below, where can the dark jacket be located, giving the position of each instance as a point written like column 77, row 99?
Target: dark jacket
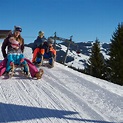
column 7, row 44
column 38, row 42
column 48, row 49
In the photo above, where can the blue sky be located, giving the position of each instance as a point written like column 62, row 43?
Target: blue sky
column 86, row 20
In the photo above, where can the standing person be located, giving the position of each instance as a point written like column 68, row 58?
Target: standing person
column 7, row 44
column 38, row 43
column 46, row 51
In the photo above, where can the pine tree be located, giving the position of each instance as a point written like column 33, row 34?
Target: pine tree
column 96, row 61
column 116, row 56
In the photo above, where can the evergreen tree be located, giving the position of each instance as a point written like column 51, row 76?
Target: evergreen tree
column 116, row 56
column 96, row 61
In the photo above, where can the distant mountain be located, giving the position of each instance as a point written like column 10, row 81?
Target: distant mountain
column 78, row 54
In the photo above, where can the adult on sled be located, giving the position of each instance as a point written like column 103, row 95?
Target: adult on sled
column 14, row 55
column 46, row 51
column 39, row 41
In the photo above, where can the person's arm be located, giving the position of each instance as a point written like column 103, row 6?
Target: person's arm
column 34, row 45
column 22, row 46
column 3, row 48
column 53, row 50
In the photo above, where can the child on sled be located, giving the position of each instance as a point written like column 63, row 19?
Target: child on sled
column 15, row 57
column 46, row 51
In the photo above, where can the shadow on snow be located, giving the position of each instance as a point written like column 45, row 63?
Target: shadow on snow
column 12, row 112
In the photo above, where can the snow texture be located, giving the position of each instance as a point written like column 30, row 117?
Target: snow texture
column 61, row 96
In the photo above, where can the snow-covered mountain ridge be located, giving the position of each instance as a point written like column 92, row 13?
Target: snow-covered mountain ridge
column 79, row 60
column 61, row 96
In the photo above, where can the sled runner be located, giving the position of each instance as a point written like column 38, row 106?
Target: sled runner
column 34, row 72
column 45, row 63
column 19, row 69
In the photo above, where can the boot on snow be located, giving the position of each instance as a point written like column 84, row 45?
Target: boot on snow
column 11, row 72
column 39, row 74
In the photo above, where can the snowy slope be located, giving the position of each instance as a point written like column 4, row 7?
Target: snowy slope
column 61, row 96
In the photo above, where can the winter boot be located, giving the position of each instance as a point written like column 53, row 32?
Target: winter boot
column 39, row 74
column 51, row 62
column 11, row 72
column 26, row 70
column 39, row 59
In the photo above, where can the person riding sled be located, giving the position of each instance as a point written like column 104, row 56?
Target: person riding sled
column 14, row 55
column 39, row 41
column 46, row 51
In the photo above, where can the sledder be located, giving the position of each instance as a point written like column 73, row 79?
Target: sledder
column 15, row 58
column 14, row 55
column 45, row 52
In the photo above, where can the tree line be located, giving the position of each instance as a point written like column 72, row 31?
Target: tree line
column 110, row 69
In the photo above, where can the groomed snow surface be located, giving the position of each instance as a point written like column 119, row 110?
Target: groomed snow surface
column 61, row 96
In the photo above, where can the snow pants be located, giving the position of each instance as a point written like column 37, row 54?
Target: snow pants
column 49, row 56
column 40, row 54
column 17, row 59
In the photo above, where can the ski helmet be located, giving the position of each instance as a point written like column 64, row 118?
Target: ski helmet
column 50, row 41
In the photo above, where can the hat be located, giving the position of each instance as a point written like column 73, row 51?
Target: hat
column 17, row 28
column 50, row 41
column 41, row 33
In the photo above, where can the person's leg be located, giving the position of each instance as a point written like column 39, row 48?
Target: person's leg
column 51, row 58
column 35, row 54
column 39, row 58
column 10, row 62
column 33, row 69
column 24, row 64
column 3, row 66
column 46, row 56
